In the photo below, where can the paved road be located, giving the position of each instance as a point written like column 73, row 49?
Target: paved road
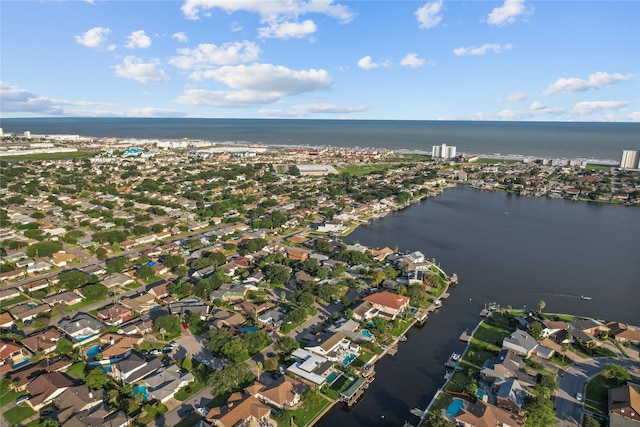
column 574, row 380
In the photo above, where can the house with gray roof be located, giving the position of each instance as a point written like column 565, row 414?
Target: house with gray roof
column 134, row 368
column 521, row 343
column 166, row 382
column 80, row 327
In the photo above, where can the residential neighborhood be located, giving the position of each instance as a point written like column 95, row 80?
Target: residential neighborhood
column 142, row 284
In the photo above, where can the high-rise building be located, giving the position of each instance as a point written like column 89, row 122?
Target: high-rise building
column 443, row 151
column 630, row 159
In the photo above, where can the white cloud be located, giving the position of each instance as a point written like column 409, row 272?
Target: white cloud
column 206, row 55
column 412, row 60
column 516, row 97
column 181, row 37
column 634, row 117
column 590, row 107
column 305, row 110
column 595, row 81
column 508, row 12
column 94, row 37
column 482, row 50
column 288, row 30
column 221, row 99
column 537, row 106
column 138, row 39
column 536, row 109
column 144, row 72
column 267, row 78
column 429, row 15
column 366, row 63
column 15, row 100
column 270, row 10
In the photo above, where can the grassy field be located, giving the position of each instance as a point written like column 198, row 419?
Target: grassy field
column 302, row 416
column 359, row 170
column 76, row 370
column 6, row 395
column 189, row 391
column 597, row 394
column 52, row 156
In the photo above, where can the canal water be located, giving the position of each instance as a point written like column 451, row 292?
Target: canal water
column 507, row 249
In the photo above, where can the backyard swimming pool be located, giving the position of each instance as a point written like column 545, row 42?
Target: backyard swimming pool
column 141, row 389
column 366, row 333
column 93, row 351
column 332, row 377
column 347, row 360
column 454, row 407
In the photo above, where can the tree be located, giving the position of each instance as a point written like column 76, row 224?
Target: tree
column 71, row 280
column 43, row 249
column 116, row 265
column 169, row 322
column 64, row 346
column 286, row 345
column 541, row 305
column 145, row 272
column 187, row 363
column 96, row 379
column 615, row 373
column 539, row 412
column 589, row 421
column 94, row 292
column 535, row 330
column 436, row 419
column 278, row 274
column 230, row 378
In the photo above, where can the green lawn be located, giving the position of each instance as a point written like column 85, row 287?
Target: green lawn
column 85, row 302
column 189, row 391
column 359, row 170
column 401, row 328
column 14, row 301
column 18, row 413
column 76, row 370
column 7, row 395
column 597, row 394
column 443, row 401
column 302, row 416
column 363, row 359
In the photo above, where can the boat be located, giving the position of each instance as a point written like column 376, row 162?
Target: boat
column 448, row 374
column 402, row 338
column 453, row 360
column 585, row 298
column 437, row 303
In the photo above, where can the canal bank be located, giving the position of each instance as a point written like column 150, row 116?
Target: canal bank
column 509, row 249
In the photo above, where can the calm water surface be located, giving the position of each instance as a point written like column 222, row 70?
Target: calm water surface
column 509, row 249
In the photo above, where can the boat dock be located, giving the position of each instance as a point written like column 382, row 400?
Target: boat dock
column 465, row 337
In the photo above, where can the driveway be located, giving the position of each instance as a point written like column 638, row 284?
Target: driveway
column 574, row 379
column 196, row 346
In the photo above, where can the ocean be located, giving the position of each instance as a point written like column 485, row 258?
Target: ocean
column 601, row 141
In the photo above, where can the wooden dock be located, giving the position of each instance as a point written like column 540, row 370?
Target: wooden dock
column 465, row 337
column 445, row 295
column 392, row 351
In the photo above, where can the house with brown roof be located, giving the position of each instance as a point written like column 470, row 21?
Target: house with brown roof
column 284, row 393
column 388, row 304
column 483, row 414
column 34, row 285
column 23, row 376
column 239, row 408
column 11, row 275
column 11, row 354
column 623, row 333
column 76, row 399
column 624, row 405
column 44, row 342
column 5, row 320
column 115, row 314
column 68, row 298
column 45, row 388
column 118, row 346
column 9, row 293
column 61, row 258
column 159, row 290
column 297, row 254
column 380, row 254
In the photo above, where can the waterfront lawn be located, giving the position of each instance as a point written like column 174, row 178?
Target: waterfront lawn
column 489, row 336
column 475, row 357
column 76, row 370
column 442, row 402
column 456, row 382
column 400, row 327
column 302, row 416
column 363, row 359
column 18, row 413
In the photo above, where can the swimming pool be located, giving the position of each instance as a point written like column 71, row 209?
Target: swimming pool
column 366, row 333
column 93, row 351
column 454, row 407
column 347, row 360
column 332, row 377
column 141, row 389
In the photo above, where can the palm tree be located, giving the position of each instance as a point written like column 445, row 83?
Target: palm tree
column 542, row 305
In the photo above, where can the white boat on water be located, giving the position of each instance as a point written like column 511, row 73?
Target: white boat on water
column 585, row 298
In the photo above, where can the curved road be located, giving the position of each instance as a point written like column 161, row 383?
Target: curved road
column 574, row 379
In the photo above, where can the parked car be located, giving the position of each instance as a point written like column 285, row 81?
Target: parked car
column 579, row 397
column 205, row 362
column 154, row 352
column 167, row 349
column 174, row 344
column 22, row 399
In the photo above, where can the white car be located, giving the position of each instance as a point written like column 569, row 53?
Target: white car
column 579, row 397
column 205, row 362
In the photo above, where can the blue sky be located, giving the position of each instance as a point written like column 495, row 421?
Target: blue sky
column 413, row 60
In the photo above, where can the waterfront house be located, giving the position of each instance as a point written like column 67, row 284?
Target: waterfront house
column 241, row 409
column 333, row 346
column 521, row 343
column 45, row 388
column 483, row 414
column 624, row 405
column 388, row 304
column 510, row 395
column 310, row 368
column 283, row 393
column 623, row 333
